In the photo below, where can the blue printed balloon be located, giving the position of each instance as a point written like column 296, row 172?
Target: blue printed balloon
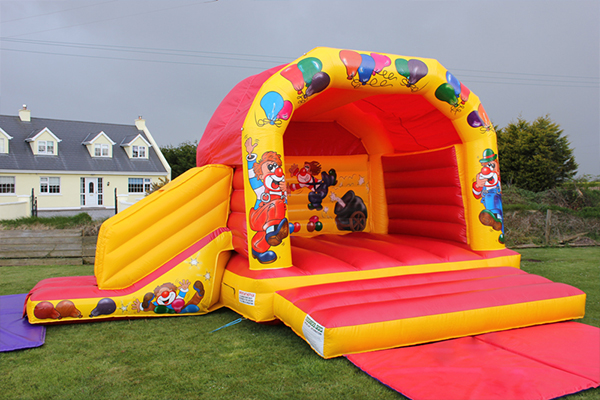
column 366, row 68
column 271, row 103
column 455, row 83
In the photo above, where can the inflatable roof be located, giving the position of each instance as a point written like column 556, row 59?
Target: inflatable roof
column 366, row 102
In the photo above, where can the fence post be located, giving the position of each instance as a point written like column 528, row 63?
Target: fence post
column 33, row 204
column 116, row 204
column 548, row 225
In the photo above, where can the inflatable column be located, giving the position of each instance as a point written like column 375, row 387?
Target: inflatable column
column 265, row 187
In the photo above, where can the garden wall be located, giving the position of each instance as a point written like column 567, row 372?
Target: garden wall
column 46, row 247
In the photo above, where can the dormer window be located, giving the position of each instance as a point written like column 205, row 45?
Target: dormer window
column 44, row 142
column 99, row 145
column 138, row 152
column 4, row 141
column 101, row 150
column 136, row 147
column 46, row 147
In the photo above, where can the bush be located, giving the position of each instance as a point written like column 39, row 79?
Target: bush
column 535, row 156
column 79, row 221
column 565, row 198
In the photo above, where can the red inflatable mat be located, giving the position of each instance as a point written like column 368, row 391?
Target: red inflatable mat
column 538, row 362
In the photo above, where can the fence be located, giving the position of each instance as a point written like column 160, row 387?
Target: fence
column 46, row 247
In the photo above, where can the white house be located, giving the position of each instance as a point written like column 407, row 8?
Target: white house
column 72, row 166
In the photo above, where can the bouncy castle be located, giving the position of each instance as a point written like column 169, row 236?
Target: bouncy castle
column 355, row 196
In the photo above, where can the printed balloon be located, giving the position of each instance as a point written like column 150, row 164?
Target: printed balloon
column 381, row 62
column 271, row 103
column 464, row 93
column 402, row 67
column 418, row 70
column 352, row 61
column 294, row 75
column 178, row 305
column 104, row 307
column 366, row 68
column 445, row 92
column 474, row 120
column 319, row 82
column 67, row 308
column 286, row 110
column 454, row 82
column 484, row 117
column 45, row 310
column 309, row 67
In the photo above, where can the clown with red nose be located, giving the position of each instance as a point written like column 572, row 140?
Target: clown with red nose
column 487, row 188
column 267, row 217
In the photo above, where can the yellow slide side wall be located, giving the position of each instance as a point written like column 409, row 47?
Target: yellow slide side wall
column 140, row 239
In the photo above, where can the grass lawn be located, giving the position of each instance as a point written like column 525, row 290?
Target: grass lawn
column 179, row 358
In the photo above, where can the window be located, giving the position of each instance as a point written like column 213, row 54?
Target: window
column 2, row 145
column 100, row 197
column 49, row 184
column 82, row 191
column 138, row 152
column 101, row 150
column 7, row 184
column 139, row 185
column 46, row 147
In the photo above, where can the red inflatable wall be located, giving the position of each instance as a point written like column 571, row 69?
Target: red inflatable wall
column 424, row 195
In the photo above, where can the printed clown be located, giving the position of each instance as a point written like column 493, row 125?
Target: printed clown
column 267, row 217
column 307, row 178
column 307, row 175
column 487, row 188
column 170, row 299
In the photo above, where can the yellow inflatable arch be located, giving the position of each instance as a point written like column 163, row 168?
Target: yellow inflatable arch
column 393, row 105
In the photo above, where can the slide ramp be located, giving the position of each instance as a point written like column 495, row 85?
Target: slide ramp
column 366, row 315
column 165, row 255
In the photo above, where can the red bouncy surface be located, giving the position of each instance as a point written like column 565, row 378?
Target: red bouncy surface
column 362, row 251
column 539, row 362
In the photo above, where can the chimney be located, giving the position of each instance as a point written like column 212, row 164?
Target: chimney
column 140, row 123
column 25, row 114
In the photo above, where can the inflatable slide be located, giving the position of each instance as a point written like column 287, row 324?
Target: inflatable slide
column 159, row 257
column 354, row 196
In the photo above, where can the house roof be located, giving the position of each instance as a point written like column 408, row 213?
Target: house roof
column 35, row 134
column 93, row 136
column 72, row 153
column 128, row 141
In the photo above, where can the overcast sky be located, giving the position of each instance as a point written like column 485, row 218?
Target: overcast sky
column 172, row 62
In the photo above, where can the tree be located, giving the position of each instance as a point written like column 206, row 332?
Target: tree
column 535, row 156
column 180, row 158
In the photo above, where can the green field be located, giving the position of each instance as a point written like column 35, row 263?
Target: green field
column 179, row 358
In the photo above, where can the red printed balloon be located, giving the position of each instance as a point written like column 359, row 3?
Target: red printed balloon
column 352, row 61
column 294, row 75
column 45, row 310
column 484, row 117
